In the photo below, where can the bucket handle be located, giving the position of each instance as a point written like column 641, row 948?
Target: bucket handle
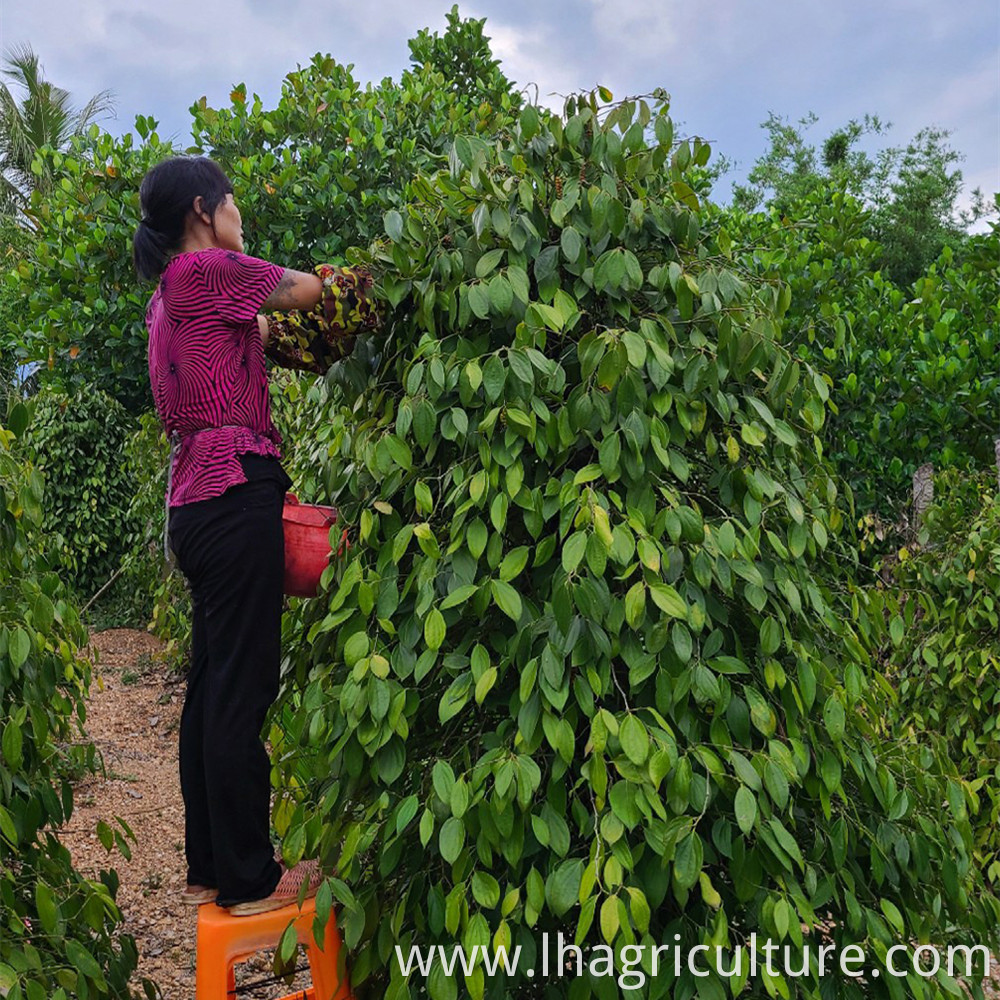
column 330, row 519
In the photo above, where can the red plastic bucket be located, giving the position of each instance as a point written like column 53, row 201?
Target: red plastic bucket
column 307, row 544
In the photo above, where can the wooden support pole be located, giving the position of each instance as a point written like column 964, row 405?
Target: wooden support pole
column 923, row 491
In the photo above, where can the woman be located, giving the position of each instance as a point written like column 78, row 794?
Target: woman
column 225, row 499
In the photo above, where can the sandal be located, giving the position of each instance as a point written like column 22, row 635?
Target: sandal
column 285, row 892
column 196, row 895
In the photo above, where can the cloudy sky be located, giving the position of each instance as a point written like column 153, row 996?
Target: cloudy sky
column 726, row 63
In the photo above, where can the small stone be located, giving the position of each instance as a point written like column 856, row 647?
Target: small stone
column 154, row 720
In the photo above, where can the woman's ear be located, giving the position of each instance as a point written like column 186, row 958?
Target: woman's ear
column 198, row 207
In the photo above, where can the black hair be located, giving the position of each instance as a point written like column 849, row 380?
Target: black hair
column 167, row 195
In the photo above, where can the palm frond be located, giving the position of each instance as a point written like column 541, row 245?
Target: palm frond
column 11, row 197
column 22, row 66
column 48, row 116
column 99, row 106
column 16, row 146
column 35, row 113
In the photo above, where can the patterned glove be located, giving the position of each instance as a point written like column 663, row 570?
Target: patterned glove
column 312, row 341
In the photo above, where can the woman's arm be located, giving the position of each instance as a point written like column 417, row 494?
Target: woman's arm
column 313, row 338
column 295, row 290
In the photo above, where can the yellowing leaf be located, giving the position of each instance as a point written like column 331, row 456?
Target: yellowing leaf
column 709, row 892
column 610, row 921
column 434, row 629
column 668, row 600
column 602, row 526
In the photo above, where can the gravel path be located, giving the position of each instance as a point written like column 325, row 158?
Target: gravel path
column 133, row 717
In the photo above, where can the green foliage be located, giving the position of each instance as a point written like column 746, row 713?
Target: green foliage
column 295, row 401
column 58, row 937
column 911, row 193
column 86, row 309
column 15, row 245
column 316, row 173
column 312, row 176
column 912, row 372
column 463, row 55
column 596, row 663
column 78, row 443
column 141, row 594
column 946, row 657
column 159, row 600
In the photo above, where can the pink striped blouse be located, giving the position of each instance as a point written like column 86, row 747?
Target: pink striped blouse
column 206, row 367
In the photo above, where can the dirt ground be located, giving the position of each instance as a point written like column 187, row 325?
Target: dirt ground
column 133, row 718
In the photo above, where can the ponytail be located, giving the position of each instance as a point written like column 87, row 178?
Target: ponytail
column 150, row 251
column 167, row 195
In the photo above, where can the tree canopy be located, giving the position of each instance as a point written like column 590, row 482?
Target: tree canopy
column 911, row 192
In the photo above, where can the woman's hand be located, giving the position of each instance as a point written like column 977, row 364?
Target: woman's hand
column 314, row 339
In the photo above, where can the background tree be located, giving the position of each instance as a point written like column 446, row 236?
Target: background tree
column 34, row 114
column 912, row 371
column 16, row 243
column 911, row 193
column 40, row 115
column 792, row 169
column 464, row 56
column 916, row 213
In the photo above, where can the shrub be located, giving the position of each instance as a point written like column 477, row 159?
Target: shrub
column 597, row 663
column 161, row 601
column 59, row 935
column 78, row 443
column 945, row 659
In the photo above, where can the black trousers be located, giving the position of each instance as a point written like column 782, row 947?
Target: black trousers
column 231, row 549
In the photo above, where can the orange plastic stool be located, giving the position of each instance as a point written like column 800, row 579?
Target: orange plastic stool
column 224, row 940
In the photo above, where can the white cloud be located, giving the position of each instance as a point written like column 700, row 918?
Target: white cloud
column 726, row 63
column 158, row 59
column 637, row 28
column 527, row 58
column 973, row 95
